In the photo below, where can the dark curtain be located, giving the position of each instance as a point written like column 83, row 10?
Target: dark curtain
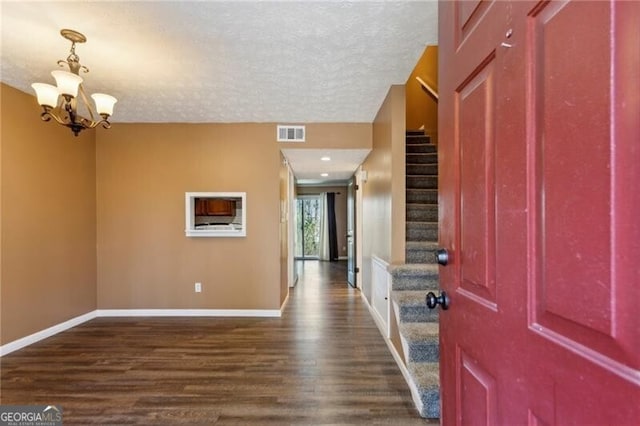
column 333, row 235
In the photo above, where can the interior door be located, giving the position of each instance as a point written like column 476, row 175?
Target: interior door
column 351, row 232
column 539, row 126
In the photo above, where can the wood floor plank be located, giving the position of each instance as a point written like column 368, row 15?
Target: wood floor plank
column 324, row 362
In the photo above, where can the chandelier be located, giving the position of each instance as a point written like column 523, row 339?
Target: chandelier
column 61, row 102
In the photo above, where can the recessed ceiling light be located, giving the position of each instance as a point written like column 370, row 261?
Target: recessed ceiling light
column 325, row 158
column 324, row 174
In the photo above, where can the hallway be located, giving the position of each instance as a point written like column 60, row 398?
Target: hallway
column 323, row 362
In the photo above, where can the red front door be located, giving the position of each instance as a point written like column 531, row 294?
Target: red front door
column 540, row 212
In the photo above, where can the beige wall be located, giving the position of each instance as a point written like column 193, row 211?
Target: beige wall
column 144, row 258
column 383, row 217
column 143, row 171
column 48, row 213
column 2, row 89
column 100, row 223
column 284, row 228
column 384, row 211
column 340, row 207
column 422, row 109
column 334, row 136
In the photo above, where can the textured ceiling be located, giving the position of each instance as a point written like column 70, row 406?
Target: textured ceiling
column 233, row 61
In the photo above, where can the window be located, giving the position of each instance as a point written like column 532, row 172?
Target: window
column 308, row 213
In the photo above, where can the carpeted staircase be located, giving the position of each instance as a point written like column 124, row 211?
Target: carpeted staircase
column 418, row 325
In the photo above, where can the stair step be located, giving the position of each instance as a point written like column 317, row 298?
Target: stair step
column 418, row 325
column 421, row 148
column 411, row 306
column 422, row 182
column 422, row 169
column 425, row 196
column 420, row 341
column 422, row 212
column 414, row 276
column 412, row 132
column 418, row 139
column 420, row 251
column 422, row 158
column 426, row 378
column 422, row 231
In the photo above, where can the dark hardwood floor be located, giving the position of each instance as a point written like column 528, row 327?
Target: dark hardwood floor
column 323, row 362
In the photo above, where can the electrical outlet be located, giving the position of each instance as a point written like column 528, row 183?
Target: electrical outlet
column 198, row 287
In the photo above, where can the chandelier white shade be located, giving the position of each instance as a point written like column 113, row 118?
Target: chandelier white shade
column 104, row 103
column 47, row 94
column 67, row 83
column 61, row 101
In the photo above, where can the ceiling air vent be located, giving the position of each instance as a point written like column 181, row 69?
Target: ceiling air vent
column 290, row 133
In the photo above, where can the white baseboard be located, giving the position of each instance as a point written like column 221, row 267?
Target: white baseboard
column 415, row 395
column 188, row 313
column 41, row 335
column 284, row 304
column 343, row 258
column 48, row 332
column 294, row 282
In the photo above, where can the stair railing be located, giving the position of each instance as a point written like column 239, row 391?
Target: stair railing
column 428, row 88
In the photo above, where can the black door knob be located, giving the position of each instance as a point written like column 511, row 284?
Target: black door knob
column 442, row 256
column 442, row 300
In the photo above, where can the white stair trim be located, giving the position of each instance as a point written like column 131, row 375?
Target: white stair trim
column 381, row 292
column 415, row 393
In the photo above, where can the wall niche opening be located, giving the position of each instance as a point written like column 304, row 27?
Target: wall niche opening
column 216, row 214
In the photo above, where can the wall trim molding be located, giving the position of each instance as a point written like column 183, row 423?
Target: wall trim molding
column 188, row 313
column 103, row 313
column 381, row 292
column 43, row 334
column 284, row 304
column 415, row 394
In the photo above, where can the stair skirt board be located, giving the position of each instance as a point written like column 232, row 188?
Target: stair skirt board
column 381, row 293
column 415, row 392
column 396, row 311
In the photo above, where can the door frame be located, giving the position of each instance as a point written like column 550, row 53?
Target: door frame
column 352, row 188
